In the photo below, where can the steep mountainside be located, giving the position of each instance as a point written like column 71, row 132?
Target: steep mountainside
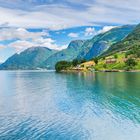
column 100, row 43
column 68, row 54
column 132, row 40
column 31, row 58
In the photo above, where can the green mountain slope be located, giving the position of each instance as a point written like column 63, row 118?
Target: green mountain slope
column 31, row 58
column 90, row 48
column 68, row 54
column 132, row 40
column 100, row 43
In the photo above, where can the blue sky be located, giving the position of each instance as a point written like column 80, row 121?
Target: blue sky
column 54, row 23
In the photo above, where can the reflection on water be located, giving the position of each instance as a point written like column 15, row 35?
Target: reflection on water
column 74, row 106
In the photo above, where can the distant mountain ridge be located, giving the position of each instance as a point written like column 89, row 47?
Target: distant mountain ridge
column 31, row 58
column 42, row 57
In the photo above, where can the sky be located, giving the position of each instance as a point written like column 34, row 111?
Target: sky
column 54, row 23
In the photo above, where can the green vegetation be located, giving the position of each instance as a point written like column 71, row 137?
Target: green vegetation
column 134, row 51
column 132, row 41
column 125, row 55
column 67, row 54
column 66, row 65
column 124, row 60
column 95, row 60
column 76, row 62
column 128, row 60
column 115, row 56
column 62, row 65
column 131, row 62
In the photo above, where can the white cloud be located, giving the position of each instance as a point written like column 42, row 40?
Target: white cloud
column 25, row 39
column 105, row 29
column 19, row 33
column 49, row 43
column 73, row 35
column 21, row 45
column 48, row 16
column 62, row 47
column 90, row 31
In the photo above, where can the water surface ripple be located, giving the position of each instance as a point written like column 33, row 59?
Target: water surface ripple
column 75, row 106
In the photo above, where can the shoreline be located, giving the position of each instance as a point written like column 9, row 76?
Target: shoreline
column 104, row 71
column 73, row 70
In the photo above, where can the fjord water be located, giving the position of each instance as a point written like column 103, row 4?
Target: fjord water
column 75, row 106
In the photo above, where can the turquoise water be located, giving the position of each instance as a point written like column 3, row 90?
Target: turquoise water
column 78, row 106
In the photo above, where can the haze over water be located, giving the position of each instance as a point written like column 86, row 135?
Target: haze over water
column 77, row 106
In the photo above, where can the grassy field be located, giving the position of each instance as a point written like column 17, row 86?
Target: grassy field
column 118, row 65
column 121, row 61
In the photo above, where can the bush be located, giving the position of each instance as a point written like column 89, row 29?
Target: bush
column 127, row 68
column 62, row 65
column 95, row 60
column 104, row 65
column 131, row 62
column 115, row 56
column 103, row 58
column 133, row 51
column 126, row 55
column 138, row 53
column 96, row 69
column 75, row 62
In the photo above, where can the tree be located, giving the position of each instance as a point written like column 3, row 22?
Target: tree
column 104, row 65
column 95, row 60
column 103, row 58
column 115, row 56
column 131, row 62
column 62, row 65
column 82, row 61
column 75, row 62
column 138, row 53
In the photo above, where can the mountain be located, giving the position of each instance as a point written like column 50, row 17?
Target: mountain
column 88, row 49
column 31, row 58
column 101, row 42
column 41, row 57
column 132, row 40
column 68, row 54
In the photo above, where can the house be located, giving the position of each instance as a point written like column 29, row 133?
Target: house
column 110, row 60
column 88, row 64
